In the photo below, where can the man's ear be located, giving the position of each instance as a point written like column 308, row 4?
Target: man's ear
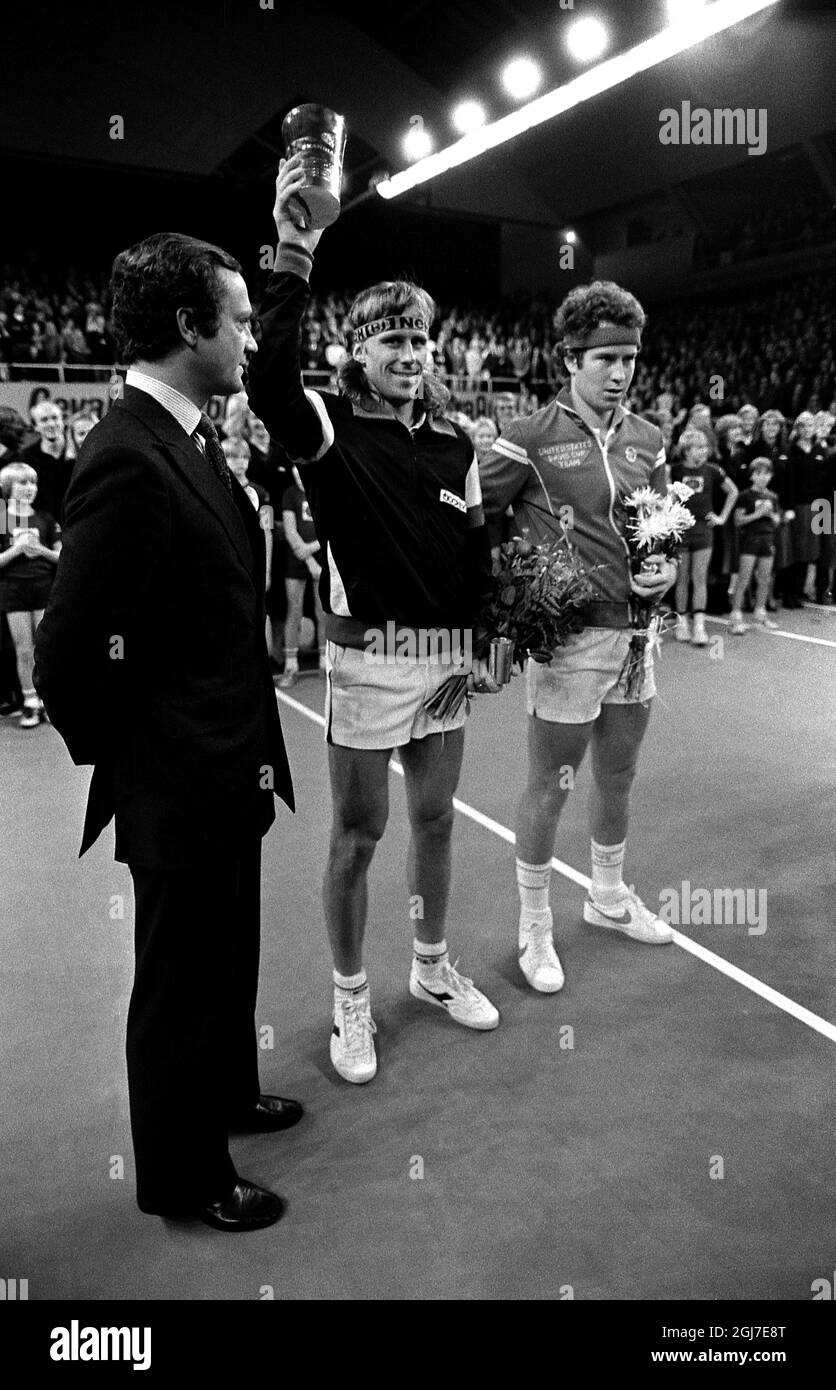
column 571, row 361
column 187, row 326
column 358, row 352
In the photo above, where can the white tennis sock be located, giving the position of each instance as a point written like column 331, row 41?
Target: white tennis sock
column 350, row 986
column 429, row 955
column 607, row 870
column 533, row 887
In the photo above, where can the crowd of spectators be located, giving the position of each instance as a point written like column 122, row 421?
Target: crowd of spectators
column 49, row 321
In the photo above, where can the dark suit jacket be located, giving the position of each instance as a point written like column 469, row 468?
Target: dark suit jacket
column 151, row 657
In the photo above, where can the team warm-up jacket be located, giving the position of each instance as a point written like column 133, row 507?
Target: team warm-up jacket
column 397, row 510
column 549, row 462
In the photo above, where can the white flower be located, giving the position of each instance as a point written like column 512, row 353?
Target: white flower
column 659, row 524
column 646, row 531
column 681, row 491
column 679, row 519
column 642, row 497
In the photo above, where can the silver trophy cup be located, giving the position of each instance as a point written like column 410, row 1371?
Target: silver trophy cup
column 318, row 135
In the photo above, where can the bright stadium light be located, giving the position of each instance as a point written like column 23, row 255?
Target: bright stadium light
column 521, row 78
column 587, row 39
column 710, row 19
column 469, row 115
column 417, row 143
column 571, row 237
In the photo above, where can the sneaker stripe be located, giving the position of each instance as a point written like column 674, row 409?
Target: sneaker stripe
column 442, row 997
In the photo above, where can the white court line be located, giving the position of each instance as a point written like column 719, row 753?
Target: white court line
column 778, row 631
column 772, row 996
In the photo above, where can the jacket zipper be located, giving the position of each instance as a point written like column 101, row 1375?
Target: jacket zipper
column 611, row 481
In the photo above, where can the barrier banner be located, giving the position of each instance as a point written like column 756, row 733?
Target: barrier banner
column 95, row 397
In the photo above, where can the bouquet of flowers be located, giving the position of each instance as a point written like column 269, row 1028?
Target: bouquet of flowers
column 536, row 602
column 656, row 529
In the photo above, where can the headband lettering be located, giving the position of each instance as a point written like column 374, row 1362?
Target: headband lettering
column 605, row 335
column 368, row 330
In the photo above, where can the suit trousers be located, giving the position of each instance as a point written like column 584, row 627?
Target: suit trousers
column 191, row 1040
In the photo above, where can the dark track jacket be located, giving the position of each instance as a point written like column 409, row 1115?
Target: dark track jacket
column 397, row 510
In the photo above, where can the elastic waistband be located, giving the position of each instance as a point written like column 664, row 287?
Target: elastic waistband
column 388, row 638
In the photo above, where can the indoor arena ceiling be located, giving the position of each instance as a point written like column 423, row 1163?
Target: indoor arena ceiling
column 203, row 87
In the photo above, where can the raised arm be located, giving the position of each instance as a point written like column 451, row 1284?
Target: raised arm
column 296, row 418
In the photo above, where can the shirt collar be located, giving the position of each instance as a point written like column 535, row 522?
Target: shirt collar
column 184, row 411
column 378, row 414
column 564, row 398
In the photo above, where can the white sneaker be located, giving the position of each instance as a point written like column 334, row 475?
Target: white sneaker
column 683, row 630
column 454, row 992
column 700, row 637
column 737, row 627
column 352, row 1041
column 629, row 915
column 538, row 959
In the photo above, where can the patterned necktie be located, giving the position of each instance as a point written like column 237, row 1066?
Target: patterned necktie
column 214, row 452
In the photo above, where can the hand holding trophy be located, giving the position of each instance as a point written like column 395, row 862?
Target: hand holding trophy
column 308, row 183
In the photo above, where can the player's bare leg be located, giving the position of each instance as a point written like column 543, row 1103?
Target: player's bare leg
column 555, row 753
column 616, row 740
column 431, row 771
column 360, row 795
column 432, row 767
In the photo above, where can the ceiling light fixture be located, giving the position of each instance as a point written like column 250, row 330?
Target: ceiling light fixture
column 679, row 36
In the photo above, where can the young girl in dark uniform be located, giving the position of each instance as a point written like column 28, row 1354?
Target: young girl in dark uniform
column 757, row 516
column 29, row 549
column 702, row 477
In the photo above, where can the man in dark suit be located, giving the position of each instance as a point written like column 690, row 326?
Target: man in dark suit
column 152, row 662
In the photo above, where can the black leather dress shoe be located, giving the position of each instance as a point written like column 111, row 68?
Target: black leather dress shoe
column 269, row 1113
column 246, row 1208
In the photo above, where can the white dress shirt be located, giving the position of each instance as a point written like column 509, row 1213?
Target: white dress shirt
column 184, row 411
